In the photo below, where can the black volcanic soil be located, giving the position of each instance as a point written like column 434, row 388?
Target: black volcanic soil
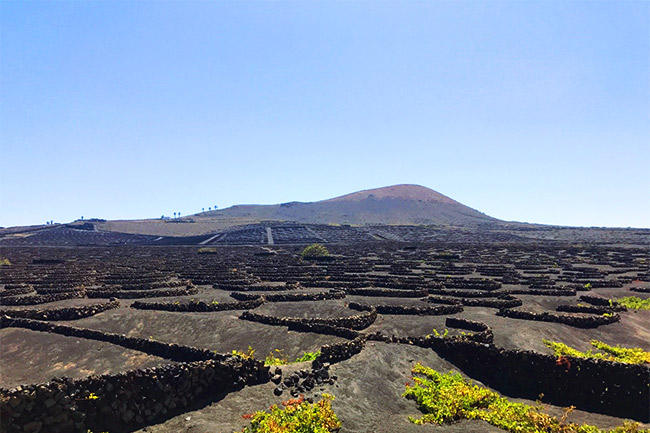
column 369, row 386
column 367, row 398
column 31, row 356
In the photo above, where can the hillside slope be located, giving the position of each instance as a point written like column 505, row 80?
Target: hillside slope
column 399, row 204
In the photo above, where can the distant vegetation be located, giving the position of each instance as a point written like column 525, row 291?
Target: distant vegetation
column 635, row 303
column 447, row 398
column 207, row 250
column 315, row 250
column 633, row 355
column 298, row 416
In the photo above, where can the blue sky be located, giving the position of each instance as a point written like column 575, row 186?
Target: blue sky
column 534, row 111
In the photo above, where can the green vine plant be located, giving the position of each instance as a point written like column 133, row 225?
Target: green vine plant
column 436, row 333
column 298, row 416
column 281, row 359
column 634, row 355
column 249, row 354
column 447, row 398
column 276, row 357
column 635, row 303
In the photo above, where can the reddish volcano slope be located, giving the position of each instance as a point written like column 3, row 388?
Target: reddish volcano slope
column 398, row 204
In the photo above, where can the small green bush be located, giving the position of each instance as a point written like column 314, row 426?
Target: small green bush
column 276, row 359
column 249, row 354
column 446, row 398
column 5, row 262
column 315, row 250
column 281, row 359
column 298, row 416
column 635, row 303
column 207, row 250
column 444, row 333
column 617, row 353
column 308, row 356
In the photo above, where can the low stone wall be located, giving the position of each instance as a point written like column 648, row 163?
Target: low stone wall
column 591, row 309
column 199, row 306
column 542, row 292
column 125, row 401
column 414, row 310
column 174, row 352
column 17, row 286
column 152, row 285
column 359, row 321
column 501, row 302
column 389, row 293
column 223, row 286
column 265, row 288
column 611, row 388
column 53, row 290
column 241, row 296
column 482, row 333
column 478, row 284
column 17, row 291
column 593, row 385
column 467, row 293
column 565, row 319
column 134, row 294
column 640, row 289
column 603, row 302
column 335, row 284
column 41, row 299
column 292, row 297
column 338, row 352
column 470, row 325
column 68, row 313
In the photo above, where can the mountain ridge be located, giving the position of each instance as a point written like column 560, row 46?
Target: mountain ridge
column 395, row 204
column 402, row 204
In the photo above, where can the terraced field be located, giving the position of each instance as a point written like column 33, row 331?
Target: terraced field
column 141, row 338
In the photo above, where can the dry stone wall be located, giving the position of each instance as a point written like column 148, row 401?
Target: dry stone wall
column 566, row 319
column 125, row 401
column 69, row 313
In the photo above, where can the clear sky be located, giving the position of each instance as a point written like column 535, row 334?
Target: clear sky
column 534, row 111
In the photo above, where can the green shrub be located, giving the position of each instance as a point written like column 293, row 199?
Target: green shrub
column 634, row 355
column 249, row 354
column 297, row 416
column 444, row 334
column 635, row 303
column 617, row 353
column 207, row 250
column 276, row 357
column 308, row 356
column 445, row 398
column 281, row 359
column 5, row 262
column 315, row 250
